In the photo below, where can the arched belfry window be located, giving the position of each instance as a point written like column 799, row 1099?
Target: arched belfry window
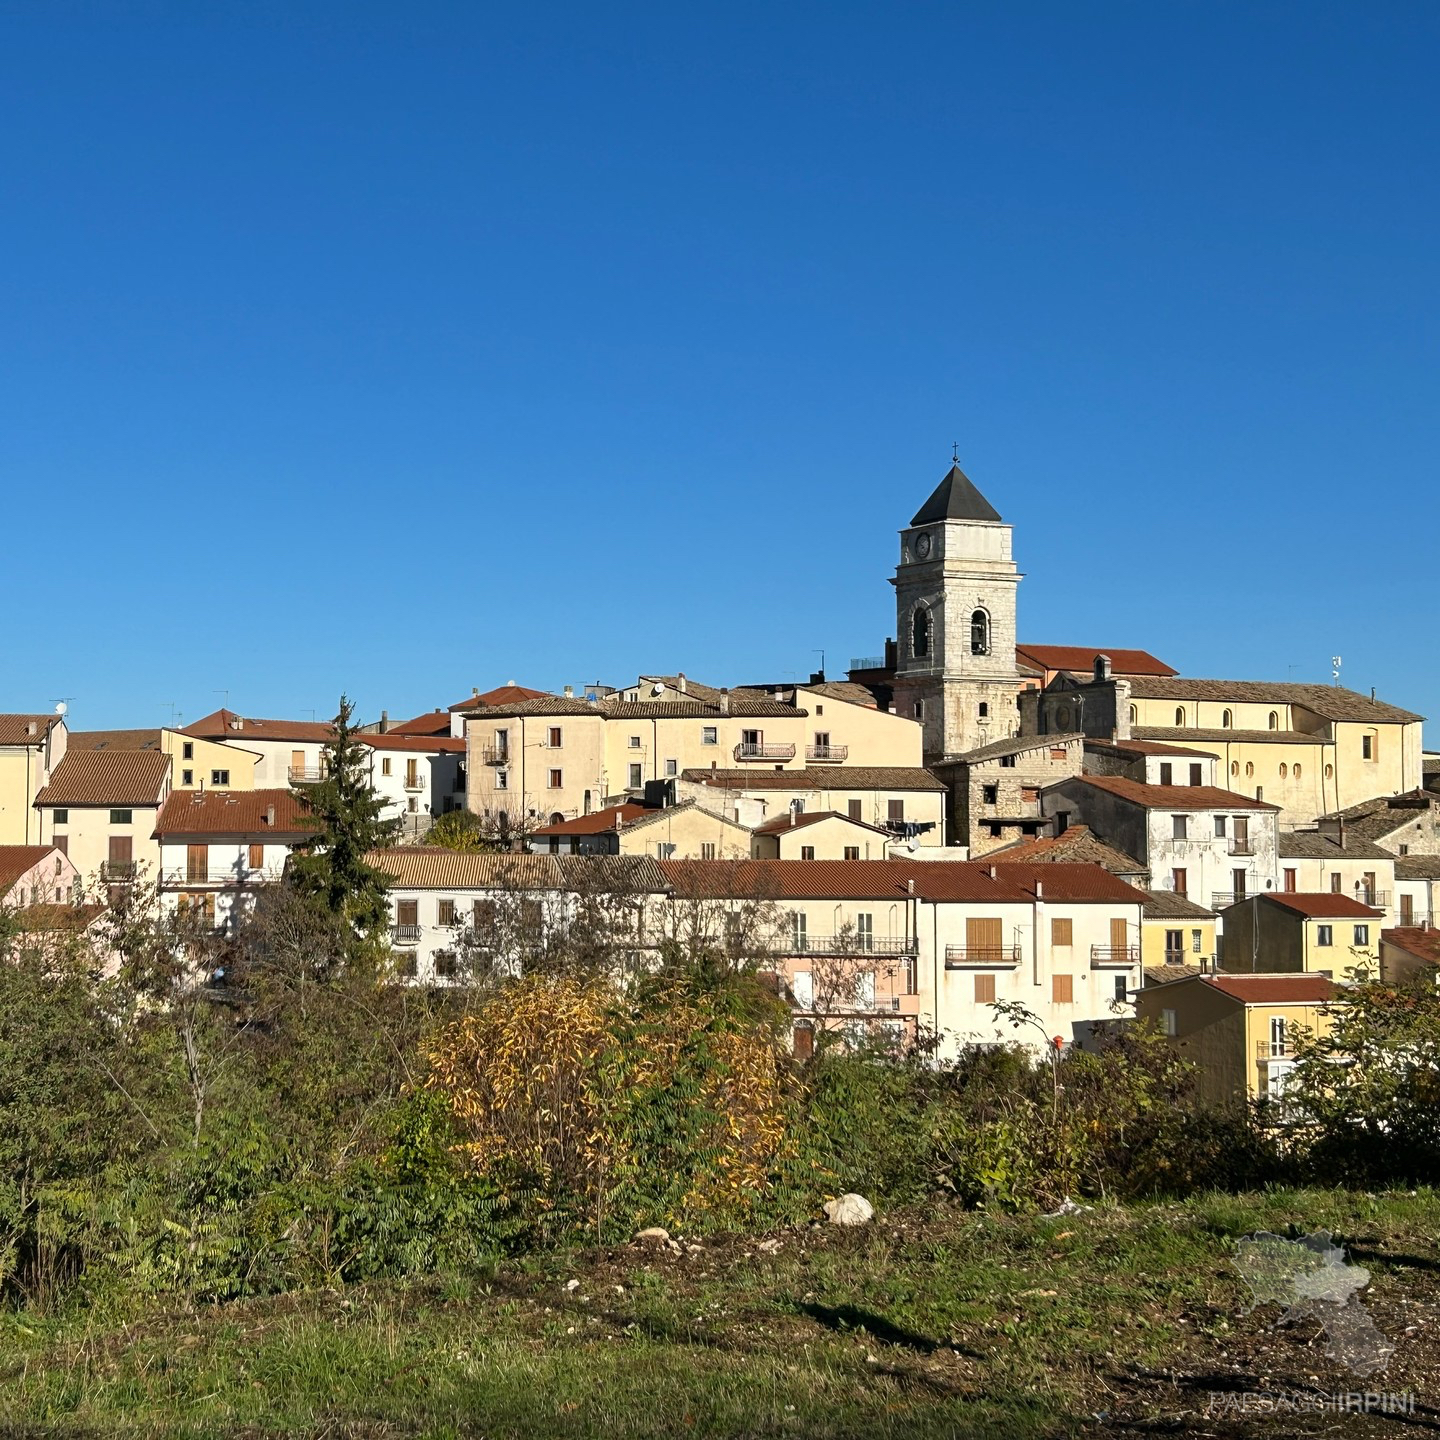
column 920, row 632
column 979, row 633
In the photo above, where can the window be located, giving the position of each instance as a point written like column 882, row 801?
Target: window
column 709, row 735
column 1273, row 721
column 1367, row 747
column 984, row 989
column 1404, row 849
column 1122, row 988
column 807, row 852
column 634, row 742
column 1062, row 932
column 1197, row 939
column 407, row 912
column 197, row 863
column 1335, row 884
column 1249, row 769
column 919, row 709
column 62, row 817
column 707, row 850
column 1324, row 935
column 445, row 964
column 1294, row 772
column 1284, row 770
column 672, row 769
column 920, row 630
column 220, row 777
column 1062, row 989
column 1219, row 827
column 1178, row 882
column 852, row 852
column 865, row 932
column 1134, row 715
column 413, row 805
column 1030, row 794
column 257, row 857
column 445, row 912
column 979, row 633
column 502, row 779
column 1167, row 1021
column 855, row 809
column 1329, row 772
column 1174, row 947
column 555, row 737
column 1234, row 767
column 557, row 779
column 797, row 806
column 822, row 741
column 1288, row 880
column 407, row 966
column 798, row 937
column 990, row 795
column 1167, row 773
column 483, row 914
column 1362, row 934
column 896, row 811
column 664, row 850
column 1197, row 775
column 637, row 778
column 1227, row 720
column 802, row 988
column 1007, row 762
column 187, row 777
column 385, row 766
column 120, row 817
column 1179, row 714
column 1179, row 827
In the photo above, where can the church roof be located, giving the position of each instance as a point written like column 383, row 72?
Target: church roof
column 955, row 498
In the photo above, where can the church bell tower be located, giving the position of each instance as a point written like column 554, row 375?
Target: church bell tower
column 955, row 591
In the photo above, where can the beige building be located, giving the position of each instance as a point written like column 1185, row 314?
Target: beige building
column 1281, row 933
column 287, row 752
column 1337, row 864
column 685, row 831
column 195, row 764
column 1239, row 1030
column 31, row 746
column 821, row 835
column 100, row 809
column 1417, row 879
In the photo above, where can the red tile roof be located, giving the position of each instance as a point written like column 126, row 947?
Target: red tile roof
column 1172, row 797
column 228, row 725
column 1147, row 747
column 434, row 722
column 432, row 744
column 1078, row 845
column 26, row 729
column 791, row 821
column 510, row 694
column 1322, row 906
column 107, row 777
column 232, row 812
column 1297, row 989
column 598, row 822
column 1423, row 943
column 1081, row 659
column 18, row 860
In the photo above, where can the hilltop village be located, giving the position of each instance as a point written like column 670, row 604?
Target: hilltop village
column 964, row 820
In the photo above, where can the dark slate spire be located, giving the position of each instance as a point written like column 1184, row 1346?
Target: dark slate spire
column 955, row 498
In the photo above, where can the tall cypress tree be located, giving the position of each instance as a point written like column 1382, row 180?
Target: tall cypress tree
column 346, row 816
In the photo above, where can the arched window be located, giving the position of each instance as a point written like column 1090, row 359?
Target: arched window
column 1329, row 772
column 557, row 818
column 1234, row 767
column 1284, row 770
column 920, row 632
column 919, row 709
column 1295, row 773
column 1274, row 720
column 979, row 633
column 1249, row 768
column 1227, row 720
column 1179, row 714
column 1134, row 715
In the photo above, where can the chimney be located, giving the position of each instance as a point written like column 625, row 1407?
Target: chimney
column 990, row 871
column 569, row 692
column 680, row 683
column 270, row 815
column 475, row 691
column 910, row 886
column 384, row 721
column 29, row 727
column 1102, row 668
column 792, row 815
column 1342, row 832
column 619, row 821
column 725, row 701
column 1039, row 889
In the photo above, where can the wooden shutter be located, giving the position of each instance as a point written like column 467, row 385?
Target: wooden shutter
column 856, row 809
column 297, row 760
column 447, row 912
column 61, row 843
column 483, row 914
column 197, row 862
column 1118, row 940
column 984, row 989
column 985, row 940
column 804, row 1042
column 1062, row 989
column 257, row 857
column 896, row 809
column 1062, row 931
column 407, row 912
column 120, row 852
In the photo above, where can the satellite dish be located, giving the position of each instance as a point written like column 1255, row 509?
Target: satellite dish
column 657, row 688
column 60, row 707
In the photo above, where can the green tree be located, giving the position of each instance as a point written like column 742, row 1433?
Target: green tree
column 460, row 830
column 346, row 816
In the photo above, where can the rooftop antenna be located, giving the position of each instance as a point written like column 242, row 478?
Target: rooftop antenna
column 821, row 654
column 226, row 694
column 1335, row 668
column 62, row 703
column 171, row 705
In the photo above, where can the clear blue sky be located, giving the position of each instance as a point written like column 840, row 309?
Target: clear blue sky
column 405, row 348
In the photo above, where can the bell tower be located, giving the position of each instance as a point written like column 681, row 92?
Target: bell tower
column 955, row 591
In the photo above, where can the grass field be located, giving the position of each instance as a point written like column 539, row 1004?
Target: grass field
column 1113, row 1321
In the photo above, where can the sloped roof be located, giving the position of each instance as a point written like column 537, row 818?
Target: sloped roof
column 124, row 778
column 431, row 867
column 26, row 729
column 222, row 725
column 849, row 691
column 434, row 722
column 1077, row 846
column 1164, row 974
column 955, row 498
column 1294, row 989
column 1171, row 797
column 1330, row 701
column 418, row 744
column 1313, row 845
column 782, row 824
column 1081, row 659
column 826, row 777
column 1170, row 733
column 1318, row 905
column 232, row 812
column 1146, row 747
column 1014, row 745
column 1167, row 905
column 1385, row 814
column 508, row 694
column 598, row 822
column 1423, row 943
column 113, row 740
column 1417, row 867
column 18, row 860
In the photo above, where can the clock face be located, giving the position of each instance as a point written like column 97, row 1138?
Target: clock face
column 922, row 546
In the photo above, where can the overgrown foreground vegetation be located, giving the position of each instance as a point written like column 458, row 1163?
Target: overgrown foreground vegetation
column 931, row 1322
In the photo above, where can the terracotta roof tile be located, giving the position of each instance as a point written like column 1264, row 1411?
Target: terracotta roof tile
column 1316, row 905
column 1078, row 845
column 598, row 822
column 113, row 740
column 501, row 695
column 124, row 778
column 1081, row 659
column 1296, row 989
column 1146, row 747
column 228, row 725
column 1328, row 701
column 18, row 860
column 781, row 824
column 232, row 812
column 436, row 722
column 1424, row 943
column 429, row 867
column 26, row 729
column 1172, row 797
column 419, row 744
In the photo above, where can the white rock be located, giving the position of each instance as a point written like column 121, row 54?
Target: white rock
column 654, row 1232
column 572, row 1284
column 849, row 1209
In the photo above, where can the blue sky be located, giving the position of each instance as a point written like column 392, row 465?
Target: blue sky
column 401, row 349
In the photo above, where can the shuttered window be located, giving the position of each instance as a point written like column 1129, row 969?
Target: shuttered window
column 1062, row 989
column 446, row 914
column 1062, row 932
column 984, row 989
column 985, row 940
column 197, row 862
column 257, row 857
column 1118, row 939
column 407, row 912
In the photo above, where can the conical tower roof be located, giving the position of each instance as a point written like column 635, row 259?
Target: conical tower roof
column 955, row 498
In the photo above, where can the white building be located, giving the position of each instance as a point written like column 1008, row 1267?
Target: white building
column 417, row 776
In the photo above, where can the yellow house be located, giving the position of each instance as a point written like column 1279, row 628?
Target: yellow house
column 1239, row 1030
column 195, row 762
column 1311, row 749
column 679, row 832
column 1280, row 932
column 1175, row 931
column 31, row 746
column 822, row 835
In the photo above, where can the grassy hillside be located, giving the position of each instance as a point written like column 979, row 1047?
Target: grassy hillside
column 935, row 1322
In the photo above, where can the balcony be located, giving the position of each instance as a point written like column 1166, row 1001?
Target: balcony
column 1267, row 1050
column 960, row 957
column 1223, row 899
column 1414, row 919
column 826, row 754
column 1238, row 846
column 850, row 945
column 405, row 934
column 414, row 782
column 118, row 870
column 867, row 662
column 745, row 751
column 1380, row 899
column 184, row 875
column 495, row 755
column 306, row 774
column 1101, row 955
